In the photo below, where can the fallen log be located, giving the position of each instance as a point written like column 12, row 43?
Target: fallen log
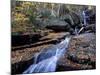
column 87, row 28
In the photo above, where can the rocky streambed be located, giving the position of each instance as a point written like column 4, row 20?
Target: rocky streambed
column 80, row 55
column 23, row 56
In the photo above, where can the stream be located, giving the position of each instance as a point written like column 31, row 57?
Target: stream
column 46, row 60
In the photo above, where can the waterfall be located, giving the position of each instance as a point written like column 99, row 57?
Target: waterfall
column 58, row 11
column 84, row 21
column 46, row 60
column 52, row 10
column 84, row 17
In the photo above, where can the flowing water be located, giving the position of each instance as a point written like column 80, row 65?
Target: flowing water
column 84, row 21
column 84, row 17
column 46, row 60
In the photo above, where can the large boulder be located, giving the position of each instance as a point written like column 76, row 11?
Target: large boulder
column 67, row 22
column 72, row 17
column 81, row 53
column 57, row 25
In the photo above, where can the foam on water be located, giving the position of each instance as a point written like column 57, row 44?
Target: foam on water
column 47, row 61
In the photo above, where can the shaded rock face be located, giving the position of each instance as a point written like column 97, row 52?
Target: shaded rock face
column 81, row 54
column 18, row 68
column 73, row 19
column 91, row 16
column 18, row 40
column 58, row 28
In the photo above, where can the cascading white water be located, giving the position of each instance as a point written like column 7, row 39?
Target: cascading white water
column 84, row 17
column 47, row 61
column 84, row 21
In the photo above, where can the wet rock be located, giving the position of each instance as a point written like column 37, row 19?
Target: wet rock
column 21, row 55
column 90, row 28
column 19, row 67
column 81, row 53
